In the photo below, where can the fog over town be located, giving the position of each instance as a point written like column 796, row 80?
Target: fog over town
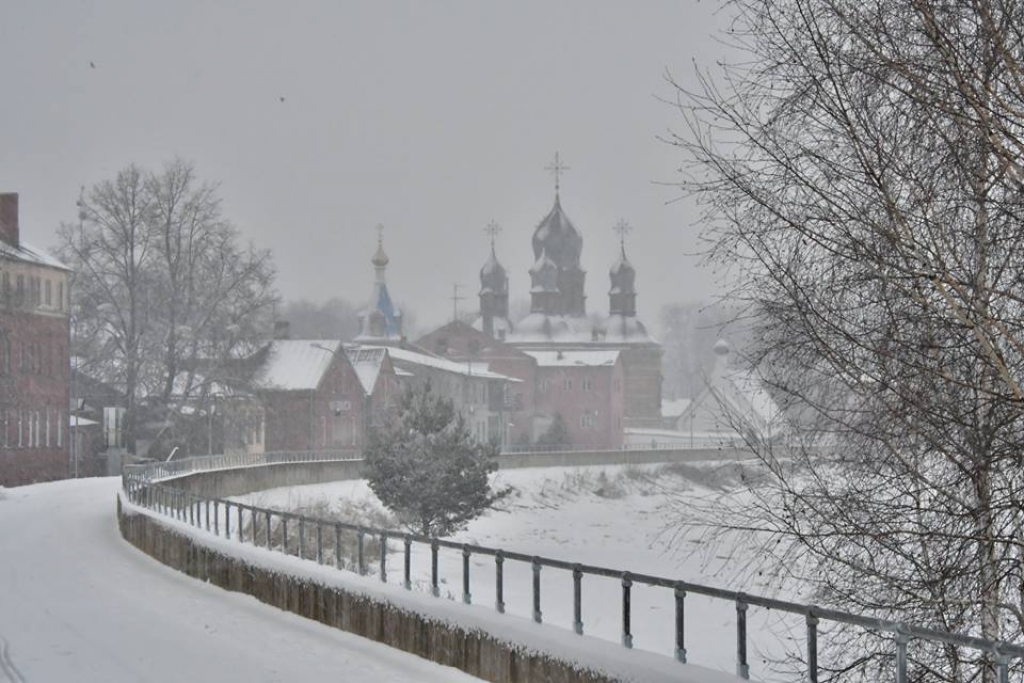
column 321, row 120
column 536, row 341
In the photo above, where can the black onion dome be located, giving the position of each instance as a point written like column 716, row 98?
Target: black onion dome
column 559, row 238
column 623, row 275
column 492, row 276
column 544, row 274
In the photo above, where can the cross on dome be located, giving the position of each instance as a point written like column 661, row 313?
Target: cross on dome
column 622, row 228
column 556, row 168
column 493, row 230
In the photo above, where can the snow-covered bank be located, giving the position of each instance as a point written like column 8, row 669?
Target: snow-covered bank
column 608, row 516
column 78, row 603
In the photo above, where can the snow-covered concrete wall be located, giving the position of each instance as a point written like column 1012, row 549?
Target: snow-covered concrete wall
column 468, row 648
column 238, row 481
column 510, row 461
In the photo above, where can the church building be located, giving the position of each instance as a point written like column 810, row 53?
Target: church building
column 599, row 372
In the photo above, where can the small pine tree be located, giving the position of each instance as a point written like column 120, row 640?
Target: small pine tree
column 426, row 468
column 557, row 434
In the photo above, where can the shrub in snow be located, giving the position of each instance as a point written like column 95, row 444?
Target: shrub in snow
column 427, row 469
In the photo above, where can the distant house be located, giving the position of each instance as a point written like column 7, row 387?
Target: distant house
column 476, row 392
column 315, row 397
column 586, row 386
column 733, row 407
column 97, row 411
column 34, row 366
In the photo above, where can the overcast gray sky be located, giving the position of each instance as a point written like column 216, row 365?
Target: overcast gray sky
column 432, row 118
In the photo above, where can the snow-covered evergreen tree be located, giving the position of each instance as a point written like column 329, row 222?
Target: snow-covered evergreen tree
column 426, row 468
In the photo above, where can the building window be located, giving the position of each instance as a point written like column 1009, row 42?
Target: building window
column 7, row 425
column 543, row 385
column 39, row 430
column 19, row 293
column 60, row 295
column 586, row 384
column 21, row 430
column 587, row 420
column 60, row 429
column 47, row 427
column 5, row 353
column 566, row 384
column 48, row 294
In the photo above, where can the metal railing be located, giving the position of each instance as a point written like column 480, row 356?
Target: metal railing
column 321, row 541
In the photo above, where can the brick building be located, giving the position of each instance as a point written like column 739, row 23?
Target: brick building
column 316, row 395
column 34, row 361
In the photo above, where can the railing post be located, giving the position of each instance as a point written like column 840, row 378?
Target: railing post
column 269, row 533
column 407, row 564
column 302, row 537
column 337, row 545
column 812, row 646
column 284, row 533
column 1002, row 665
column 227, row 520
column 360, row 557
column 902, row 639
column 466, row 597
column 434, row 588
column 241, row 529
column 207, row 514
column 216, row 518
column 535, row 565
column 499, row 582
column 383, row 557
column 742, row 668
column 680, row 594
column 577, row 599
column 319, row 542
column 627, row 584
column 192, row 504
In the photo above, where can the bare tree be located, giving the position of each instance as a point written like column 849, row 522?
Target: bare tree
column 861, row 169
column 165, row 296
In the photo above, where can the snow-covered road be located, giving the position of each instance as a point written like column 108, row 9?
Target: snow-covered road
column 78, row 603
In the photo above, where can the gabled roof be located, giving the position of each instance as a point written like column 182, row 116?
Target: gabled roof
column 296, row 364
column 412, row 358
column 367, row 362
column 29, row 254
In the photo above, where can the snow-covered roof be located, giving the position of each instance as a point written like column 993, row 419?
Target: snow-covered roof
column 297, row 364
column 467, row 369
column 621, row 328
column 588, row 358
column 674, row 407
column 367, row 362
column 29, row 254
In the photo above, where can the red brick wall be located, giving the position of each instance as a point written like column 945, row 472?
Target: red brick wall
column 33, row 380
column 603, row 402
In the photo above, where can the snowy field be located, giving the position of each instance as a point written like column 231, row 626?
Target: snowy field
column 78, row 603
column 625, row 518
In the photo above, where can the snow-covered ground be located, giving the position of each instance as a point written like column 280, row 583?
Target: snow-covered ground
column 625, row 518
column 77, row 603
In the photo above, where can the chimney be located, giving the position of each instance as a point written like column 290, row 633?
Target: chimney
column 9, row 218
column 281, row 330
